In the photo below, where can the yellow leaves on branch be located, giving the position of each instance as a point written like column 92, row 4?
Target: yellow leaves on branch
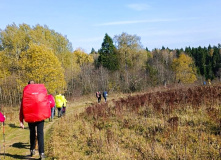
column 83, row 58
column 3, row 67
column 40, row 64
column 184, row 69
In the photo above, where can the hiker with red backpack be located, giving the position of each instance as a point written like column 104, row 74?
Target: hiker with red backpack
column 98, row 95
column 52, row 105
column 35, row 108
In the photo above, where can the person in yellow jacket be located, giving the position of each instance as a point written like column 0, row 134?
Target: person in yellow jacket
column 209, row 82
column 59, row 104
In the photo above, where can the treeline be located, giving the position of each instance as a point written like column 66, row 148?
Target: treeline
column 207, row 60
column 122, row 64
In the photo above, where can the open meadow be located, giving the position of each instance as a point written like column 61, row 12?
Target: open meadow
column 181, row 123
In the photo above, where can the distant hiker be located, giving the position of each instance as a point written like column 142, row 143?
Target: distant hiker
column 105, row 95
column 204, row 83
column 64, row 105
column 35, row 108
column 98, row 95
column 209, row 81
column 165, row 83
column 59, row 104
column 52, row 105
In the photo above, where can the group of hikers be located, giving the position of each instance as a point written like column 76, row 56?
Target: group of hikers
column 209, row 82
column 60, row 104
column 36, row 106
column 98, row 95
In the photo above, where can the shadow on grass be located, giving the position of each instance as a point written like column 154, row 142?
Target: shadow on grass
column 21, row 145
column 15, row 156
column 12, row 125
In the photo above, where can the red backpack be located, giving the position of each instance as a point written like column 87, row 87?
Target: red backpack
column 36, row 106
column 51, row 100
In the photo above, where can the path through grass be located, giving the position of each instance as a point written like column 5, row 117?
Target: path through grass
column 17, row 140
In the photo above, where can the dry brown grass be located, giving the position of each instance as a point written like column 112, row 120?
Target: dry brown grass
column 117, row 131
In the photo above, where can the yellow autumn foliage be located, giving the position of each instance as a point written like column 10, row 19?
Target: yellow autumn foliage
column 72, row 68
column 15, row 38
column 40, row 64
column 184, row 69
column 83, row 58
column 3, row 67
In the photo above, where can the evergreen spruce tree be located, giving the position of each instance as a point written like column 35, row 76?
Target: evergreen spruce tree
column 216, row 62
column 108, row 57
column 93, row 51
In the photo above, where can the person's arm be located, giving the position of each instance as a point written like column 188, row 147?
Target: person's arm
column 21, row 116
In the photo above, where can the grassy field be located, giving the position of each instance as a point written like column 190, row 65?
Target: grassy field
column 139, row 126
column 16, row 144
column 133, row 136
column 157, row 125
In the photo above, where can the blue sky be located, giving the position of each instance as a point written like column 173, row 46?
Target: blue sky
column 168, row 23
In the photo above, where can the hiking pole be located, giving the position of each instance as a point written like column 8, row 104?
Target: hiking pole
column 4, row 137
column 2, row 119
column 0, row 146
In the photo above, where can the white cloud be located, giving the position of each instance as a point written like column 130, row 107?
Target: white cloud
column 145, row 21
column 134, row 22
column 138, row 6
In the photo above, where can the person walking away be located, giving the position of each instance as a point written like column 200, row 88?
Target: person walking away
column 209, row 82
column 59, row 104
column 35, row 108
column 105, row 95
column 98, row 95
column 64, row 105
column 52, row 105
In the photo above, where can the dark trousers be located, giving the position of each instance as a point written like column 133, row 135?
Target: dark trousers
column 60, row 112
column 105, row 98
column 99, row 99
column 63, row 110
column 40, row 135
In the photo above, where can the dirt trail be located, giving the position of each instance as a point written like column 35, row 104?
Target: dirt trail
column 17, row 139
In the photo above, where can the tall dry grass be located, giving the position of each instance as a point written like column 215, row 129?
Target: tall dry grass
column 157, row 125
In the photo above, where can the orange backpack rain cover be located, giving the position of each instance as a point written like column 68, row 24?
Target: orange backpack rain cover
column 36, row 106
